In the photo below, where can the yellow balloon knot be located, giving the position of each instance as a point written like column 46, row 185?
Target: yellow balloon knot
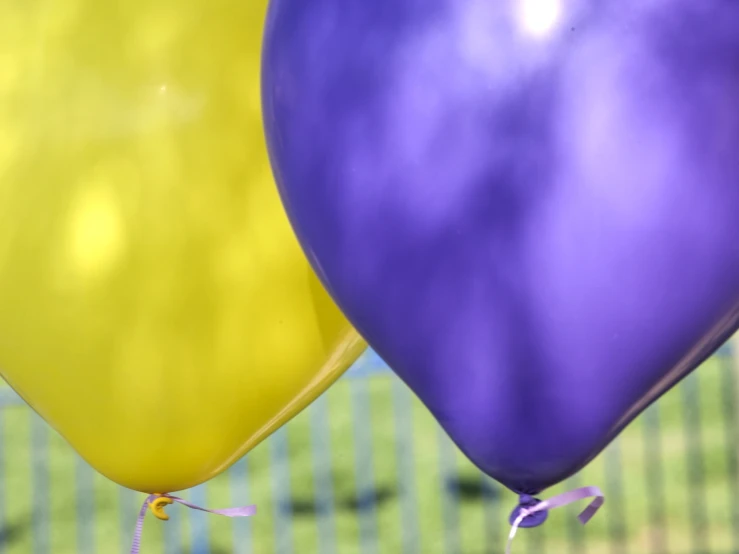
column 157, row 506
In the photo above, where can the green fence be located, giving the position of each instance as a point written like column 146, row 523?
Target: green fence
column 366, row 470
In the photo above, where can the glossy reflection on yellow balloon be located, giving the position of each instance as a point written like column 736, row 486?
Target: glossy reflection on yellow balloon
column 156, row 308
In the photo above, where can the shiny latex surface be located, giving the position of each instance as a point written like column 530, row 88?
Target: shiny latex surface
column 528, row 208
column 156, row 307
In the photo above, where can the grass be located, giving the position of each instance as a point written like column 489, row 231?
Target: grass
column 52, row 502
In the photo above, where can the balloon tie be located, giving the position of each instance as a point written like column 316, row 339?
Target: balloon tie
column 157, row 502
column 557, row 502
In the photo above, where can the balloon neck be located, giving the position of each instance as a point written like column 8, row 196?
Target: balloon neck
column 157, row 503
column 526, row 501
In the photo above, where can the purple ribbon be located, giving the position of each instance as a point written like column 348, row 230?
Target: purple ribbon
column 557, row 502
column 243, row 511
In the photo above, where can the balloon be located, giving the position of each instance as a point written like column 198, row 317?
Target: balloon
column 527, row 208
column 156, row 308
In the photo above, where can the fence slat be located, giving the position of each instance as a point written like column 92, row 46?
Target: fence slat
column 616, row 519
column 731, row 437
column 172, row 530
column 127, row 500
column 238, row 476
column 655, row 481
column 199, row 528
column 449, row 493
column 280, row 478
column 3, row 514
column 9, row 398
column 694, row 458
column 40, row 484
column 575, row 530
column 403, row 424
column 491, row 493
column 364, row 468
column 323, row 476
column 85, row 492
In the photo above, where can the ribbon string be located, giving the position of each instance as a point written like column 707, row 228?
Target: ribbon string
column 156, row 503
column 557, row 502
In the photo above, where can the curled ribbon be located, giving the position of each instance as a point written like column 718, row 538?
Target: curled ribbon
column 558, row 501
column 157, row 502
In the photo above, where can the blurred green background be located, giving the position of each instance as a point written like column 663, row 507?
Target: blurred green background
column 366, row 470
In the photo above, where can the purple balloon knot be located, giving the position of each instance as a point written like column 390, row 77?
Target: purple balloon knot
column 531, row 512
column 535, row 518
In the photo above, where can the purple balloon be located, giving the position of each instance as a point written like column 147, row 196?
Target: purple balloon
column 530, row 209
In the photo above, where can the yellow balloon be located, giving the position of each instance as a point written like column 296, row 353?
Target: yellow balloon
column 155, row 307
